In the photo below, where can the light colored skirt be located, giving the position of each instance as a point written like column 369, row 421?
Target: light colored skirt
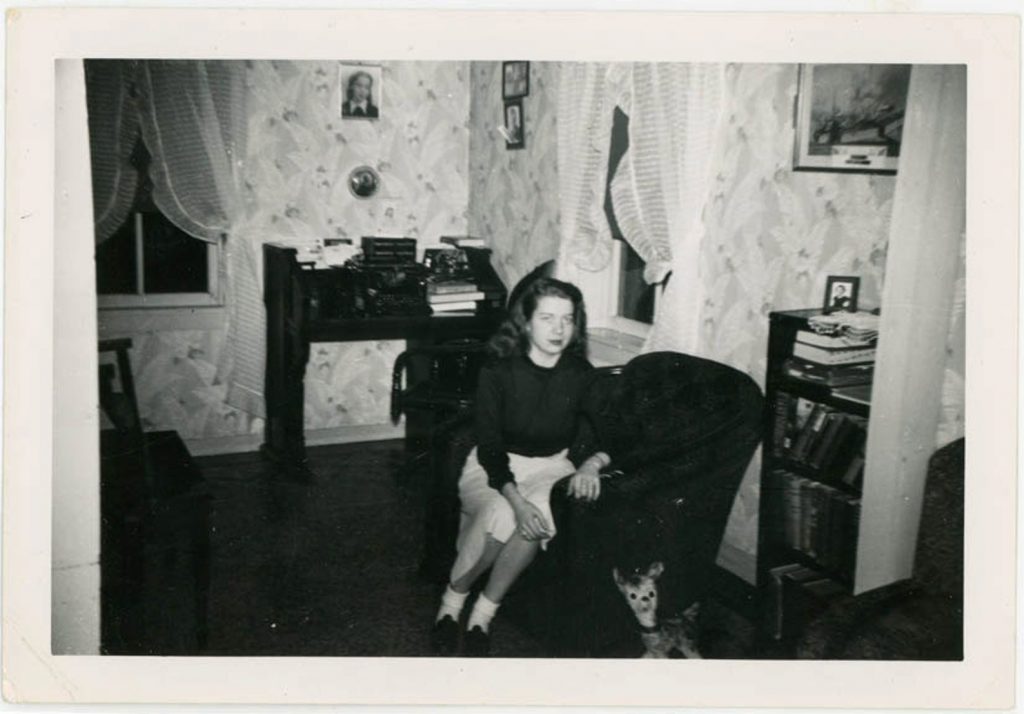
column 486, row 513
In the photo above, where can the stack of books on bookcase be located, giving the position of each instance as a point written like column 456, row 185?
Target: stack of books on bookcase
column 820, row 521
column 818, row 451
column 820, row 439
column 831, row 360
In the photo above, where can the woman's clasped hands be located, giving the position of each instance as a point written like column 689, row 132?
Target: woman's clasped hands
column 531, row 523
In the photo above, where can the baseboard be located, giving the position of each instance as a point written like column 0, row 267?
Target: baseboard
column 246, row 443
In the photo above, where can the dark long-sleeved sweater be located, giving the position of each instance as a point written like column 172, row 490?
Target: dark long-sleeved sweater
column 525, row 409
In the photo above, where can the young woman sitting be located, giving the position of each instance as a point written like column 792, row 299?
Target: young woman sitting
column 528, row 402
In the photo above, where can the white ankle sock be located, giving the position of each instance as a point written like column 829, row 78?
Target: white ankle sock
column 451, row 604
column 482, row 614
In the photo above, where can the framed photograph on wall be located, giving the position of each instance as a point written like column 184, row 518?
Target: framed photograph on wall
column 361, row 91
column 841, row 294
column 849, row 117
column 515, row 79
column 515, row 126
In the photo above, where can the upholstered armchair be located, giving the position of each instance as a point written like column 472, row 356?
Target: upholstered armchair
column 921, row 619
column 681, row 431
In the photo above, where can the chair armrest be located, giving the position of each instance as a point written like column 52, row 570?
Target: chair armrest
column 718, row 464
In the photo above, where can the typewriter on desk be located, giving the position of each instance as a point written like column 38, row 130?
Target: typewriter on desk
column 386, row 280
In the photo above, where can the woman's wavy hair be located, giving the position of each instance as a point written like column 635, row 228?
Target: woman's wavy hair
column 513, row 337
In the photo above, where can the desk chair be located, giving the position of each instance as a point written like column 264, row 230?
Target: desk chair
column 434, row 386
column 155, row 537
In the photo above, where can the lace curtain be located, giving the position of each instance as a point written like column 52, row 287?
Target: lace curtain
column 661, row 185
column 585, row 105
column 113, row 131
column 193, row 122
column 193, row 119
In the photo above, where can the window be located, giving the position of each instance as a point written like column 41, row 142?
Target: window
column 150, row 262
column 633, row 300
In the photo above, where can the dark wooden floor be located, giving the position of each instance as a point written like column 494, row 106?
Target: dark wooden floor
column 329, row 566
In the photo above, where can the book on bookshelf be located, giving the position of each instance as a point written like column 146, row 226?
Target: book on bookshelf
column 809, row 433
column 818, row 521
column 849, row 443
column 826, row 439
column 817, row 437
column 832, row 356
column 829, row 376
column 784, row 425
column 810, row 509
column 777, row 603
column 790, row 509
column 854, row 472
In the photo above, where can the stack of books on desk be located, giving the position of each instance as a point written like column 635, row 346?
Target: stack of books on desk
column 453, row 296
column 832, row 360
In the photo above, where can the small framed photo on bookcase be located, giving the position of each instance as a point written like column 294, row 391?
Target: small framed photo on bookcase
column 841, row 294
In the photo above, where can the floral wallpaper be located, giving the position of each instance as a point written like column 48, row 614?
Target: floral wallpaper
column 774, row 235
column 299, row 155
column 513, row 202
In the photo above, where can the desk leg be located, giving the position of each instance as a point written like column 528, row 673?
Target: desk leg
column 287, row 354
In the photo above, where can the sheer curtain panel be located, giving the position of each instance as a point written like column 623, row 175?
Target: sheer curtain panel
column 194, row 120
column 585, row 108
column 113, row 130
column 661, row 186
column 194, row 124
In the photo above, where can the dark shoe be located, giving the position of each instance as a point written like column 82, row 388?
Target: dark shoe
column 444, row 636
column 476, row 643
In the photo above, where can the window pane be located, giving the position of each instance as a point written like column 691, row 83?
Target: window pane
column 115, row 262
column 173, row 261
column 619, row 145
column 636, row 297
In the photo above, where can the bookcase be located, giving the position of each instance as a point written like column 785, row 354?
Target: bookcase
column 813, row 478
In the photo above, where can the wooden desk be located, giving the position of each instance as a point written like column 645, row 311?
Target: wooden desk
column 288, row 289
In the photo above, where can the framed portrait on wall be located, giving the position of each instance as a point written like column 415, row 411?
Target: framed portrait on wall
column 849, row 117
column 361, row 91
column 515, row 79
column 515, row 128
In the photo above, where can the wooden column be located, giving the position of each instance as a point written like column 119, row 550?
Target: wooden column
column 76, row 479
column 924, row 250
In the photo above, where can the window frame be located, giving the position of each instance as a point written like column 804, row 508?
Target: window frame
column 140, row 300
column 601, row 293
column 616, row 321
